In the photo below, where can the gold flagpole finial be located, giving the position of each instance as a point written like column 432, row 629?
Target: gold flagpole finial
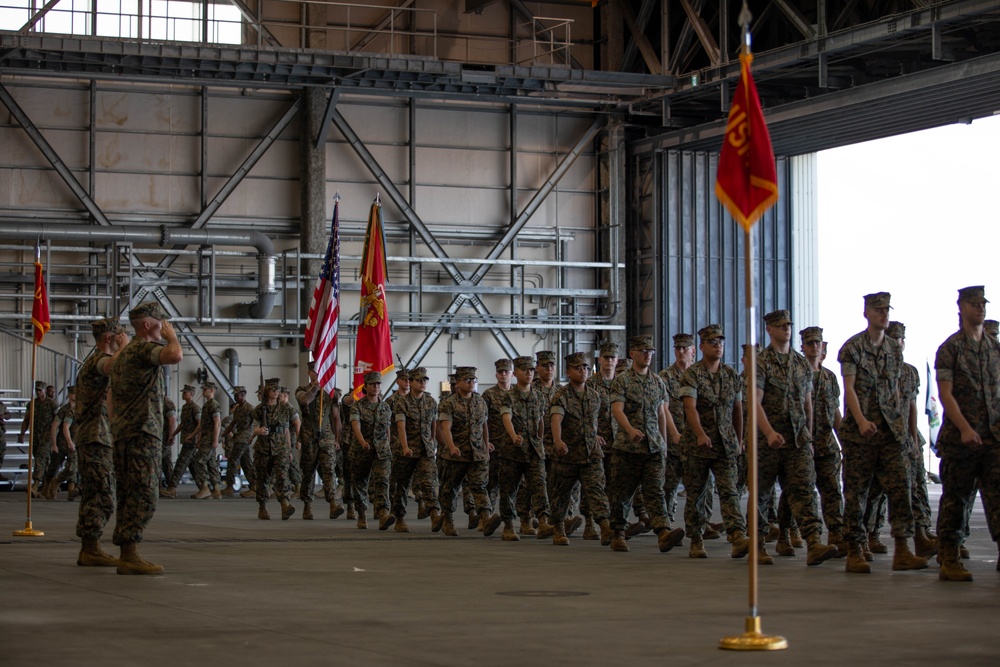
column 336, row 197
column 744, row 20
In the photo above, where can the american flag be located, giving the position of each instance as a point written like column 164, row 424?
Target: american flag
column 324, row 311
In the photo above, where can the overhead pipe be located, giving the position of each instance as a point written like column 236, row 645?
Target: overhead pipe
column 163, row 237
column 233, row 357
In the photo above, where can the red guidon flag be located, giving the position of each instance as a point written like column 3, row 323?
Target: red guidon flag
column 374, row 346
column 40, row 308
column 747, row 183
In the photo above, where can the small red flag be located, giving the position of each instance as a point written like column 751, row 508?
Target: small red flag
column 374, row 345
column 747, row 182
column 40, row 308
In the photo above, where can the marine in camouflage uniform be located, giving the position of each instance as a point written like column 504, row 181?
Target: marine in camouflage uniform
column 241, row 429
column 520, row 451
column 639, row 404
column 371, row 455
column 826, row 449
column 272, row 450
column 343, row 456
column 94, row 443
column 318, row 444
column 64, row 450
column 41, row 437
column 166, row 451
column 784, row 415
column 207, row 475
column 495, row 397
column 709, row 393
column 189, row 440
column 294, row 428
column 466, row 451
column 546, row 385
column 873, row 436
column 601, row 383
column 402, row 389
column 909, row 389
column 577, row 449
column 415, row 423
column 968, row 376
column 137, row 391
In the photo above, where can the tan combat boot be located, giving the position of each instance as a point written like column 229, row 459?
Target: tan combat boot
column 559, row 537
column 351, row 514
column 697, row 549
column 926, row 546
column 951, row 566
column 763, row 558
column 490, row 523
column 856, row 562
column 422, row 512
column 92, row 555
column 618, row 542
column 216, row 494
column 287, row 510
column 876, row 545
column 545, row 529
column 903, row 558
column 473, row 520
column 836, row 538
column 606, row 532
column 401, row 525
column 784, row 546
column 963, row 551
column 202, row 493
column 796, row 538
column 362, row 521
column 866, row 553
column 508, row 534
column 772, row 533
column 740, row 544
column 589, row 530
column 819, row 552
column 227, row 490
column 262, row 512
column 168, row 492
column 710, row 533
column 248, row 493
column 572, row 525
column 72, row 491
column 336, row 509
column 385, row 519
column 526, row 527
column 641, row 526
column 131, row 562
column 49, row 489
column 448, row 526
column 437, row 520
column 668, row 538
column 307, row 512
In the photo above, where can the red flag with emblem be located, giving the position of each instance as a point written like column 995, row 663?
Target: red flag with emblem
column 40, row 308
column 747, row 181
column 374, row 345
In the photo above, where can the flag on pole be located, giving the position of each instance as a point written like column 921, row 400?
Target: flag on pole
column 324, row 311
column 746, row 182
column 40, row 308
column 374, row 346
column 932, row 409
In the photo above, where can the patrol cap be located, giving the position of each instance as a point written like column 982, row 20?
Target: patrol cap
column 610, row 349
column 641, row 343
column 711, row 332
column 992, row 327
column 896, row 330
column 878, row 300
column 71, row 389
column 39, row 385
column 778, row 318
column 810, row 334
column 503, row 365
column 419, row 373
column 577, row 359
column 623, row 365
column 106, row 325
column 683, row 340
column 147, row 309
column 282, row 390
column 403, row 373
column 373, row 377
column 188, row 388
column 208, row 385
column 545, row 357
column 465, row 373
column 239, row 389
column 272, row 383
column 974, row 294
column 524, row 364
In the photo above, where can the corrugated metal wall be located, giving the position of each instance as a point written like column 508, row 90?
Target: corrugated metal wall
column 686, row 266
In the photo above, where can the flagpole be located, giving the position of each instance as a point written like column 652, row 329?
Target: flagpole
column 752, row 639
column 28, row 530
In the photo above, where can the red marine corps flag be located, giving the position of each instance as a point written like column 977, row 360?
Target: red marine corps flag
column 374, row 347
column 747, row 183
column 40, row 308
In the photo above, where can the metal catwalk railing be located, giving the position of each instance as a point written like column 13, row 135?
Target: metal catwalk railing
column 52, row 367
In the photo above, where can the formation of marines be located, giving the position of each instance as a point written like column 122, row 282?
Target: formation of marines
column 623, row 438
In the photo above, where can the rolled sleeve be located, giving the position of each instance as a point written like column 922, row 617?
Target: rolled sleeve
column 848, row 368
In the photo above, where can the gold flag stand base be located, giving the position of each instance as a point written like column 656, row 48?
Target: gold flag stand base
column 28, row 531
column 753, row 640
